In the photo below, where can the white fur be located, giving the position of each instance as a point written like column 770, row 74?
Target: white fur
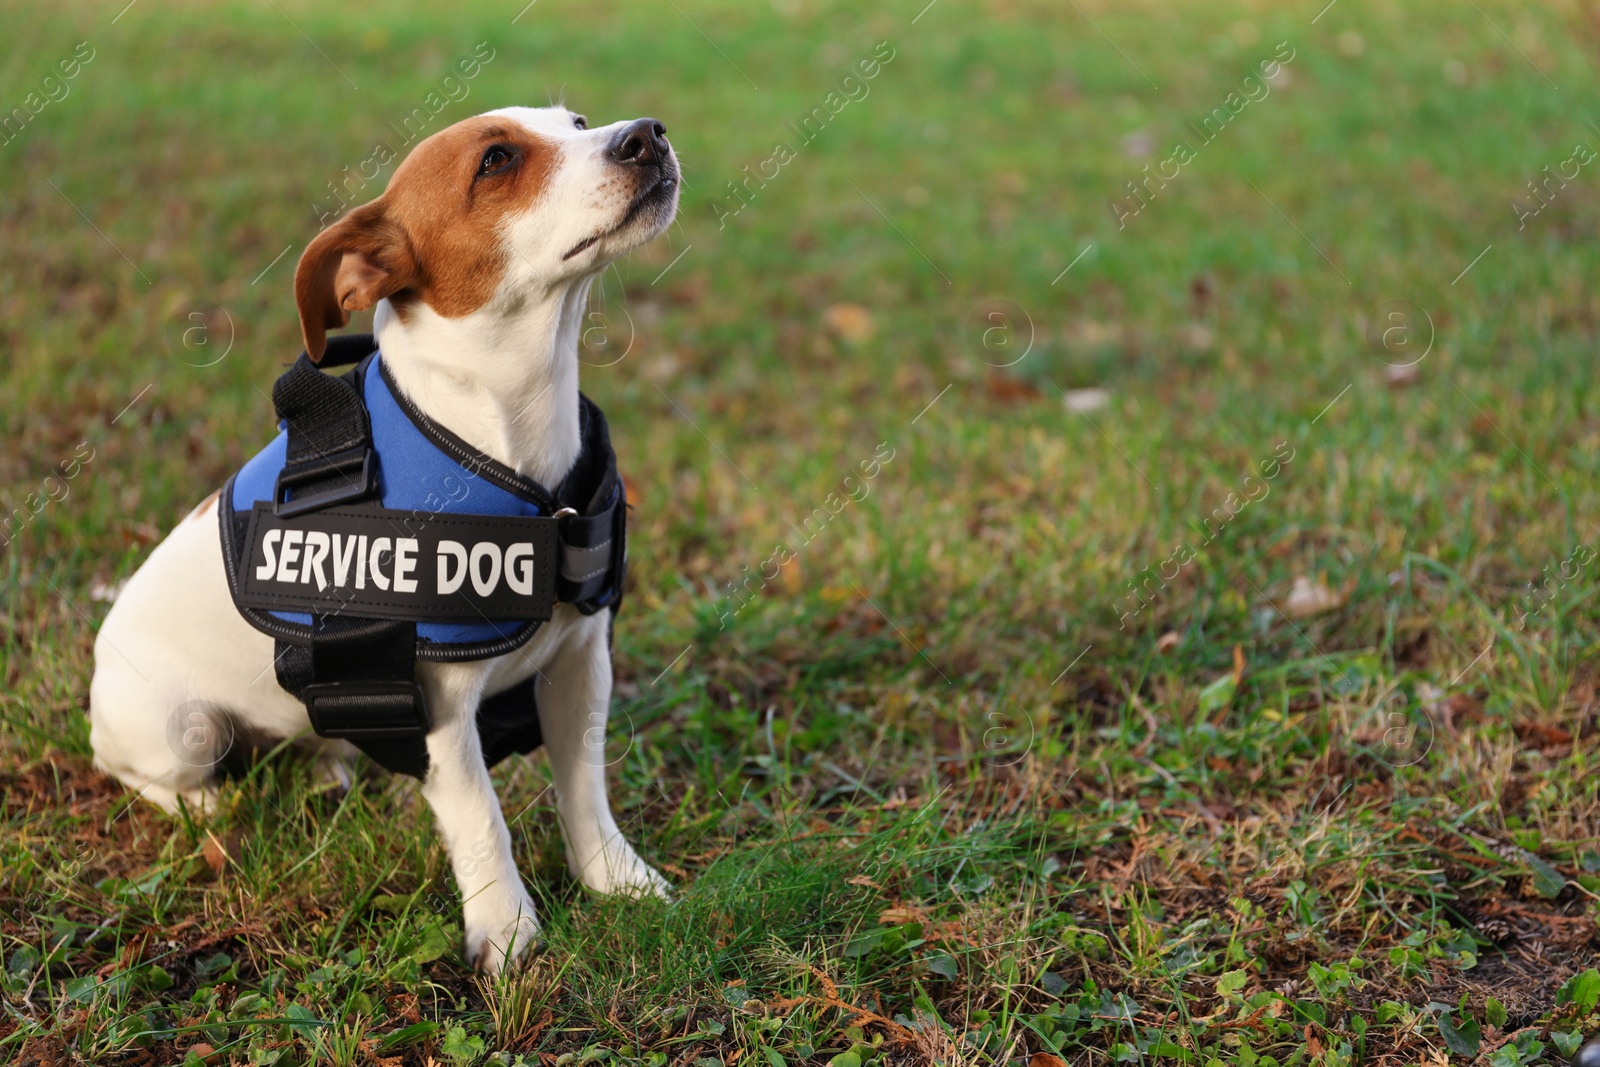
column 504, row 378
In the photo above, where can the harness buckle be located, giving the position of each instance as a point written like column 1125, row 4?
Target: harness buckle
column 355, row 465
column 368, row 710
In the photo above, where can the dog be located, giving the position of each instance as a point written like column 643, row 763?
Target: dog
column 478, row 258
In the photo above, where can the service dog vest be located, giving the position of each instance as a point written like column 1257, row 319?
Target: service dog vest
column 366, row 537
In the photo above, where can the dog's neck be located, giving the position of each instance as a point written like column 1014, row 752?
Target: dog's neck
column 504, row 378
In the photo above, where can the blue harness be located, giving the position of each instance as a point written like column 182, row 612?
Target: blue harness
column 366, row 537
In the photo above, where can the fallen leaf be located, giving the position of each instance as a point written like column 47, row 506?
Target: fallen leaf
column 1312, row 1044
column 1080, row 401
column 1045, row 1059
column 1541, row 735
column 848, row 322
column 901, row 914
column 1309, row 598
column 947, row 931
column 861, row 879
column 1005, row 388
column 1168, row 641
column 219, row 853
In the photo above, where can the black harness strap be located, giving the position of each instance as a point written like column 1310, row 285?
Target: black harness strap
column 358, row 676
column 330, row 458
column 505, row 725
column 594, row 531
column 358, row 681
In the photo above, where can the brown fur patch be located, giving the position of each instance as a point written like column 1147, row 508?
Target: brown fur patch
column 434, row 236
column 204, row 506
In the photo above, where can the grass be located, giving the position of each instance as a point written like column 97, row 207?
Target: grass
column 1219, row 722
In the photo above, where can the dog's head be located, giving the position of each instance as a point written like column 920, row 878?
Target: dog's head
column 495, row 207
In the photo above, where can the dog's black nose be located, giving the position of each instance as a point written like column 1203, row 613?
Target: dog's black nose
column 641, row 141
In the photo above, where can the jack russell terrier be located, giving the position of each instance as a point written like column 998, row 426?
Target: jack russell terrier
column 393, row 573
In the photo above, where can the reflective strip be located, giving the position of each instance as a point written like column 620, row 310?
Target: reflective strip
column 582, row 564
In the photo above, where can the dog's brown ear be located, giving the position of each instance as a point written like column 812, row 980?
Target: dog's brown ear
column 350, row 266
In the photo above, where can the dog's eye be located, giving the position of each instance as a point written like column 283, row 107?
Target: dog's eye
column 495, row 159
column 580, row 122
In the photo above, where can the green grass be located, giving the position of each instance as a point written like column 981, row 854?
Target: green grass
column 936, row 793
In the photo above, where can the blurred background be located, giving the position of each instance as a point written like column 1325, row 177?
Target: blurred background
column 1221, row 594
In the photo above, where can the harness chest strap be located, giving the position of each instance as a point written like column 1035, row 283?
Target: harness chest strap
column 325, row 546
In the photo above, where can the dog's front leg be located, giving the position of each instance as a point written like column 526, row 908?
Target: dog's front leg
column 574, row 696
column 497, row 912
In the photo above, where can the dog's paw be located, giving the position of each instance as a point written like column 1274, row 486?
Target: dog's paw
column 617, row 870
column 176, row 801
column 498, row 936
column 331, row 774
